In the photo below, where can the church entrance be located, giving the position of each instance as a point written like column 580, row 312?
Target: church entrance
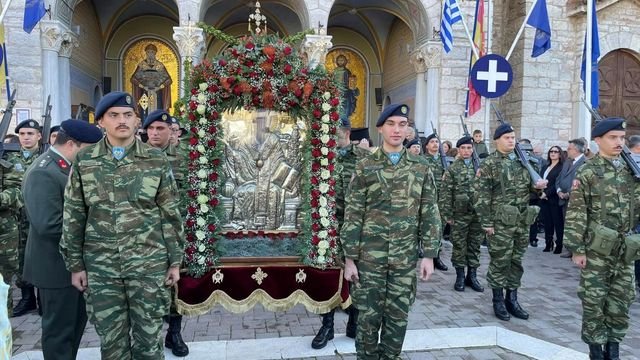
column 620, row 87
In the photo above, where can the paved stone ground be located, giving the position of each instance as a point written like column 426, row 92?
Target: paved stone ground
column 480, row 353
column 548, row 293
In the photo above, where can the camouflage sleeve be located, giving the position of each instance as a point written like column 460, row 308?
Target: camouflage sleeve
column 576, row 222
column 483, row 187
column 10, row 199
column 445, row 200
column 74, row 221
column 340, row 193
column 354, row 214
column 168, row 201
column 430, row 226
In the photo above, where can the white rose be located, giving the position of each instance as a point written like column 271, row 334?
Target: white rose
column 326, row 95
column 325, row 138
column 324, row 222
column 201, row 248
column 322, row 251
column 326, row 107
column 200, row 235
column 325, row 119
column 202, row 185
column 323, row 201
column 325, row 174
column 324, row 151
column 203, row 121
column 203, row 160
column 202, row 98
column 203, row 86
column 323, row 212
column 201, row 148
column 324, row 162
column 200, row 221
column 323, row 187
column 204, row 208
column 200, row 260
column 202, row 199
column 321, row 259
column 324, row 244
column 323, row 234
column 201, row 133
column 201, row 109
column 325, row 127
column 202, row 174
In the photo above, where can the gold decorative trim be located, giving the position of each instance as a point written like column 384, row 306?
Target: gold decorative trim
column 259, row 276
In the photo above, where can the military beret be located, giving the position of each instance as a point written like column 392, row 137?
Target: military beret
column 174, row 121
column 432, row 136
column 464, row 140
column 157, row 115
column 502, row 129
column 359, row 134
column 606, row 125
column 54, row 129
column 81, row 131
column 113, row 99
column 415, row 141
column 28, row 124
column 392, row 110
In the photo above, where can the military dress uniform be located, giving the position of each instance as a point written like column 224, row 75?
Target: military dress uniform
column 604, row 194
column 122, row 226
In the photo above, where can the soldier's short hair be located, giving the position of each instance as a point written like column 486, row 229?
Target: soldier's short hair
column 634, row 140
column 580, row 145
column 477, row 131
column 63, row 137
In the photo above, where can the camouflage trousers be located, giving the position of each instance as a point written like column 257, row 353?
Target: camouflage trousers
column 383, row 296
column 506, row 249
column 607, row 290
column 466, row 237
column 23, row 233
column 127, row 314
column 8, row 251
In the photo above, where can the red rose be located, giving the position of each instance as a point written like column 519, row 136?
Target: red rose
column 249, row 63
column 298, row 93
column 315, row 126
column 234, row 52
column 315, row 227
column 315, row 166
column 317, row 113
column 194, row 91
column 315, row 141
column 331, row 193
column 332, row 130
column 193, row 105
column 315, row 240
column 315, row 101
column 213, row 102
column 222, row 62
column 315, row 193
column 190, row 237
column 316, row 153
column 213, row 129
column 214, row 202
column 331, row 167
column 237, row 90
column 190, row 223
column 215, row 115
column 216, row 162
column 332, row 182
column 334, row 102
column 213, row 88
column 193, row 141
column 211, row 143
column 192, row 193
column 304, row 71
column 212, row 227
column 192, row 210
column 331, row 155
column 287, row 50
column 287, row 69
column 314, row 180
column 193, row 155
column 256, row 100
column 249, row 46
column 192, row 116
column 194, row 130
column 284, row 90
column 213, row 191
column 332, row 232
column 334, row 116
column 213, row 176
column 231, row 80
column 331, row 143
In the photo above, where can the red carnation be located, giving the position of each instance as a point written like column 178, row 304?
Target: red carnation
column 213, row 129
column 317, row 113
column 331, row 167
column 332, row 181
column 315, row 166
column 194, row 91
column 193, row 155
column 249, row 46
column 215, row 115
column 287, row 69
column 332, row 244
column 213, row 191
column 332, row 232
column 192, row 210
column 284, row 90
column 194, row 130
column 332, row 130
column 334, row 102
column 315, row 126
column 334, row 116
column 234, row 52
column 315, row 141
column 315, row 193
column 331, row 155
column 211, row 143
column 190, row 223
column 192, row 193
column 298, row 93
column 315, row 101
column 213, row 88
column 304, row 71
column 315, row 227
column 192, row 116
column 222, row 62
column 331, row 143
column 314, row 180
column 315, row 240
column 216, row 162
column 213, row 102
column 287, row 50
column 213, row 176
column 316, row 153
column 212, row 227
column 214, row 202
column 193, row 141
column 193, row 105
column 332, row 193
column 249, row 63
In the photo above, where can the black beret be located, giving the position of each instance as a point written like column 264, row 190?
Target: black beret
column 432, row 136
column 157, row 115
column 464, row 140
column 54, row 129
column 112, row 99
column 359, row 134
column 607, row 125
column 81, row 131
column 502, row 129
column 392, row 110
column 415, row 141
column 28, row 124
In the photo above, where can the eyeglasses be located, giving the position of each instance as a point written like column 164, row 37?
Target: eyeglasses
column 554, row 151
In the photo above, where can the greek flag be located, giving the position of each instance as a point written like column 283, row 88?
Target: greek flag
column 450, row 16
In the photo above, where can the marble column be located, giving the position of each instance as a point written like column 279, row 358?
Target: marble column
column 426, row 60
column 191, row 46
column 70, row 41
column 316, row 48
column 51, row 39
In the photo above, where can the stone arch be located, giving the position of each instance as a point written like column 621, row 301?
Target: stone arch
column 619, row 40
column 620, row 87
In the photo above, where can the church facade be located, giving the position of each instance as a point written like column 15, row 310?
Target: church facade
column 383, row 51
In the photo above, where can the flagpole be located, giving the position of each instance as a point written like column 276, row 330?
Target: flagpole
column 4, row 11
column 487, row 102
column 588, row 67
column 524, row 23
column 466, row 29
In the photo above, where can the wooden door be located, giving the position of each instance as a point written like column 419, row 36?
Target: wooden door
column 620, row 87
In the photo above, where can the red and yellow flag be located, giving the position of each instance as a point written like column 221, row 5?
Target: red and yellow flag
column 474, row 100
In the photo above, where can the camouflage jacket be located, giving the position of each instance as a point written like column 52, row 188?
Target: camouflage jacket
column 121, row 218
column 346, row 166
column 436, row 168
column 391, row 210
column 456, row 191
column 11, row 195
column 502, row 180
column 178, row 162
column 600, row 183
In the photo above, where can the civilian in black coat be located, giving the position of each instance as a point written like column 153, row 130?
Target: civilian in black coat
column 550, row 208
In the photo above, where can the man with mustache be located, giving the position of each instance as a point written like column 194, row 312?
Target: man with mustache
column 603, row 209
column 122, row 234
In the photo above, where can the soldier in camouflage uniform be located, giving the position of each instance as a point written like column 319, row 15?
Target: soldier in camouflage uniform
column 122, row 234
column 603, row 209
column 433, row 159
column 391, row 219
column 456, row 206
column 348, row 155
column 158, row 126
column 14, row 226
column 501, row 192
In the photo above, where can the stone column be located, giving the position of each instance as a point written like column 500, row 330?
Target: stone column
column 426, row 60
column 51, row 39
column 69, row 42
column 316, row 48
column 191, row 46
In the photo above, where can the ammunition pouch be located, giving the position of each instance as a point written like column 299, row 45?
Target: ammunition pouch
column 531, row 214
column 508, row 214
column 604, row 239
column 632, row 248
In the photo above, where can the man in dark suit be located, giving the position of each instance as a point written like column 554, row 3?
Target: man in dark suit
column 63, row 309
column 564, row 181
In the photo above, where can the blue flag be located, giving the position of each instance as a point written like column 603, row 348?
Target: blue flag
column 539, row 19
column 450, row 15
column 33, row 11
column 593, row 98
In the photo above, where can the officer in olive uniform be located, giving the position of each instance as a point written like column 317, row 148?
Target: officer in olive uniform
column 433, row 159
column 603, row 210
column 63, row 309
column 159, row 127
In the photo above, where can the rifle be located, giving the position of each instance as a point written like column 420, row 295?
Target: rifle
column 443, row 156
column 4, row 128
column 535, row 177
column 626, row 153
column 46, row 126
column 474, row 156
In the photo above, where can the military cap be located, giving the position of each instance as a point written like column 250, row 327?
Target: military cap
column 113, row 99
column 415, row 141
column 392, row 110
column 607, row 125
column 502, row 129
column 81, row 131
column 157, row 115
column 54, row 129
column 28, row 124
column 464, row 140
column 359, row 134
column 432, row 136
column 174, row 121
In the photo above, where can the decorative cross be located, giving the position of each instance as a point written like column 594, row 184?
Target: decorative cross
column 492, row 76
column 259, row 276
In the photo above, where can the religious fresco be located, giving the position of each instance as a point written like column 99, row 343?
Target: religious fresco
column 150, row 74
column 349, row 69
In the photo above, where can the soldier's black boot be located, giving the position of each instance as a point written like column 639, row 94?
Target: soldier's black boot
column 459, row 285
column 595, row 352
column 513, row 307
column 499, row 308
column 173, row 340
column 325, row 333
column 612, row 351
column 352, row 324
column 472, row 280
column 439, row 264
column 548, row 245
column 27, row 303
